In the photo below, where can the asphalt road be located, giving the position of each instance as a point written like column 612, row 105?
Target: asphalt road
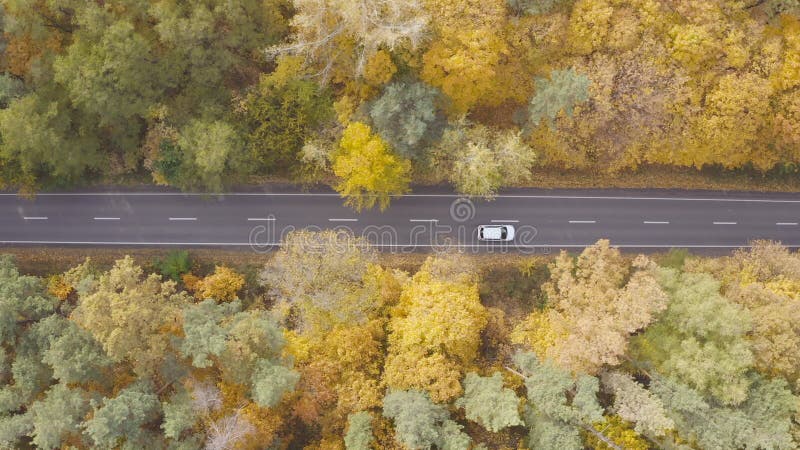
column 428, row 219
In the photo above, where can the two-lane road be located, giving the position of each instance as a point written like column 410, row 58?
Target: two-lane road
column 428, row 219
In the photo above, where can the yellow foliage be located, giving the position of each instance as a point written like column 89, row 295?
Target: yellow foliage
column 536, row 332
column 344, row 108
column 693, row 45
column 222, row 285
column 190, row 281
column 435, row 374
column 266, row 423
column 439, row 316
column 619, row 431
column 58, row 287
column 369, row 172
column 298, row 346
column 464, row 59
column 788, row 76
column 588, row 25
column 379, row 68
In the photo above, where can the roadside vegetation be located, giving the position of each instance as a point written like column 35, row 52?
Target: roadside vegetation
column 478, row 94
column 327, row 345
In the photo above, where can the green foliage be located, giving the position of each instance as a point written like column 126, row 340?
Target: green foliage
column 405, row 116
column 561, row 92
column 214, row 151
column 763, row 421
column 204, row 333
column 359, row 431
column 123, row 418
column 421, row 424
column 116, row 78
column 10, row 88
column 179, row 414
column 58, row 416
column 45, row 138
column 554, row 417
column 271, row 381
column 76, row 356
column 279, row 115
column 175, row 264
column 488, row 403
column 700, row 339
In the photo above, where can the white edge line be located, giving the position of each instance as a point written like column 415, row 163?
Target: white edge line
column 342, row 220
column 106, row 218
column 582, row 221
column 786, row 224
column 35, row 218
column 308, row 194
column 653, row 222
column 182, row 218
column 242, row 244
column 725, row 223
column 505, row 221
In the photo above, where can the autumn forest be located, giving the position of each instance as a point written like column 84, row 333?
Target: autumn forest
column 207, row 94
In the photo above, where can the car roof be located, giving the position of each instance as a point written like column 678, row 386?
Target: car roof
column 493, row 232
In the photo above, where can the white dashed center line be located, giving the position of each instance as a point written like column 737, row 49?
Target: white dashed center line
column 35, row 218
column 174, row 219
column 342, row 220
column 259, row 219
column 786, row 224
column 106, row 218
column 423, row 220
column 582, row 221
column 505, row 221
column 655, row 222
column 724, row 223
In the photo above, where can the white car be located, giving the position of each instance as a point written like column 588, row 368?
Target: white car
column 496, row 233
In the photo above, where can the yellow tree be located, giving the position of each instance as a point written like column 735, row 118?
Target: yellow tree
column 464, row 60
column 131, row 315
column 594, row 308
column 435, row 330
column 222, row 285
column 369, row 172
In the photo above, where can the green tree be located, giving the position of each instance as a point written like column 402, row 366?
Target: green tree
column 214, row 150
column 764, row 420
column 369, row 172
column 561, row 92
column 75, row 357
column 405, row 116
column 279, row 115
column 179, row 414
column 359, row 431
column 488, row 403
column 45, row 139
column 700, row 339
column 480, row 160
column 58, row 416
column 175, row 264
column 559, row 406
column 421, row 424
column 123, row 419
column 116, row 77
column 245, row 347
